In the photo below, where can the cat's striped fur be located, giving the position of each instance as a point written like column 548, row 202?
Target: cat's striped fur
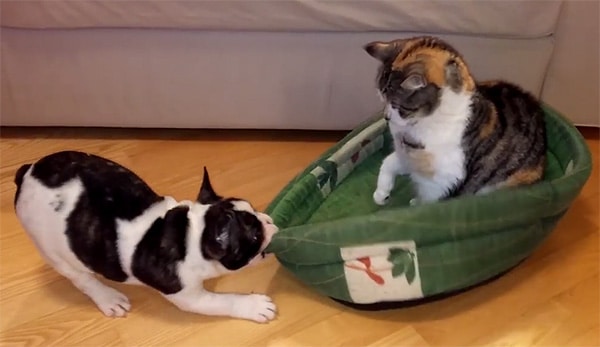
column 452, row 134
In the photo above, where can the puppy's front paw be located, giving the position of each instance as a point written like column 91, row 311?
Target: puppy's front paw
column 257, row 307
column 111, row 302
column 380, row 197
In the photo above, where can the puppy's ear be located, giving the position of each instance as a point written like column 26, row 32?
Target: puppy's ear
column 207, row 194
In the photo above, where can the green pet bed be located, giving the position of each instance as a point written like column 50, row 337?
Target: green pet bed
column 335, row 239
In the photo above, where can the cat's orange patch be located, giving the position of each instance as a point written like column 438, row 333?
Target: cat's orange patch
column 488, row 128
column 434, row 61
column 525, row 176
column 421, row 162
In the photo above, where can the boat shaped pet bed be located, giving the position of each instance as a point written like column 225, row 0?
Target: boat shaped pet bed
column 335, row 239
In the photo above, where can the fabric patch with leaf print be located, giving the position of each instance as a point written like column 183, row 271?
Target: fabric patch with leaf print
column 382, row 272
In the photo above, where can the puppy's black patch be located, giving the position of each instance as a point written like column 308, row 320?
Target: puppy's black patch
column 163, row 246
column 114, row 189
column 110, row 192
column 92, row 237
column 231, row 237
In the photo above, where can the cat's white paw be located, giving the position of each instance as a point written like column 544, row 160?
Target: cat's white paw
column 414, row 202
column 256, row 307
column 111, row 302
column 380, row 197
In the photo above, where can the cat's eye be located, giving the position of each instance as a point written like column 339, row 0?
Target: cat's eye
column 413, row 82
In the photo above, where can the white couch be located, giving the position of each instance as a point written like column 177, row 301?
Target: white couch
column 270, row 64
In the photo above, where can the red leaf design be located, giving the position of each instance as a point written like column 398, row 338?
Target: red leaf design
column 375, row 277
column 366, row 261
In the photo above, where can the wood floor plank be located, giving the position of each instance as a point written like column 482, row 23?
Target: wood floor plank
column 550, row 299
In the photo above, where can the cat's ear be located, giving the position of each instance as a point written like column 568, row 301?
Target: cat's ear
column 207, row 194
column 384, row 51
column 414, row 82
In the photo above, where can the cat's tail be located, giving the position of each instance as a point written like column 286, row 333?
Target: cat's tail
column 20, row 174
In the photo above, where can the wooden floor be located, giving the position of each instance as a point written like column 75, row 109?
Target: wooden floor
column 551, row 299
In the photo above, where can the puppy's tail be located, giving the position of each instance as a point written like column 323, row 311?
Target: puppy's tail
column 20, row 174
column 19, row 180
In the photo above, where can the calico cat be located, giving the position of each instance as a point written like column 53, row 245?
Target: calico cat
column 88, row 215
column 452, row 134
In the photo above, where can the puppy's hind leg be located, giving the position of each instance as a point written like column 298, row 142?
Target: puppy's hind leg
column 110, row 301
column 256, row 307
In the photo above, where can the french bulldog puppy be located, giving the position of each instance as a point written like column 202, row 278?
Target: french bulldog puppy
column 88, row 215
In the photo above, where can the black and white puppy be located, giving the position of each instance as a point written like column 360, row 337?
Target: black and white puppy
column 88, row 215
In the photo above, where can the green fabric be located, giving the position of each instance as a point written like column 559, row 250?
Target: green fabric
column 326, row 215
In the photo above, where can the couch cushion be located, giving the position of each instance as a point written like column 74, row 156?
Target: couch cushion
column 192, row 79
column 526, row 18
